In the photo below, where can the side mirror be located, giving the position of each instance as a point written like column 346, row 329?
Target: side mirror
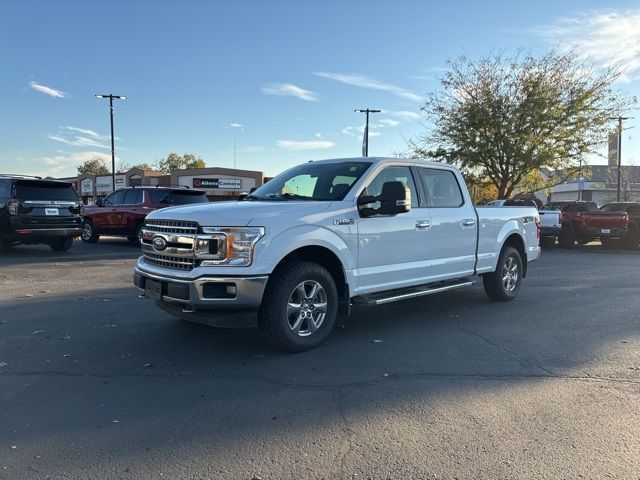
column 394, row 199
column 99, row 202
column 253, row 189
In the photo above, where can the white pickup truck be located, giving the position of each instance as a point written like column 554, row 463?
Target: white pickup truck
column 298, row 252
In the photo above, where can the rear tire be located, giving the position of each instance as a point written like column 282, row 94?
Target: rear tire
column 503, row 284
column 299, row 307
column 610, row 243
column 88, row 234
column 61, row 245
column 548, row 242
column 567, row 239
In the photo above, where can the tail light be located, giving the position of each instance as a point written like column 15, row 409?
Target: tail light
column 560, row 217
column 538, row 227
column 626, row 220
column 13, row 205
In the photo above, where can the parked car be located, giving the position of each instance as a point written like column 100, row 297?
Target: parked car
column 123, row 212
column 327, row 234
column 632, row 238
column 582, row 222
column 33, row 210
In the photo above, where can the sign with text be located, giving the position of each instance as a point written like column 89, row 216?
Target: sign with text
column 220, row 183
column 86, row 186
column 613, row 150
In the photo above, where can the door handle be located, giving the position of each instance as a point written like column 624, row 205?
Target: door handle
column 469, row 222
column 423, row 225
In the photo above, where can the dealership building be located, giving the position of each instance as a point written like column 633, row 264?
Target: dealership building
column 217, row 183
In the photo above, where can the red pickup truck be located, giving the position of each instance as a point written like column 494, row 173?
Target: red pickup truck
column 123, row 212
column 582, row 222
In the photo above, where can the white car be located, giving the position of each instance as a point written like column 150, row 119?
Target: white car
column 326, row 235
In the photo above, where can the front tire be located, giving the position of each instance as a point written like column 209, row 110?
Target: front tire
column 62, row 245
column 504, row 283
column 88, row 234
column 299, row 307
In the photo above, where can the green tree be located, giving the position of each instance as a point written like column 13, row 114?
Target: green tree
column 175, row 161
column 502, row 119
column 142, row 166
column 96, row 165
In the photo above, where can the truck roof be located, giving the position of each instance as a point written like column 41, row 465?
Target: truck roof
column 414, row 161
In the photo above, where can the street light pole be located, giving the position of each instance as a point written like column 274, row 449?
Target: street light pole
column 365, row 139
column 113, row 150
column 619, row 119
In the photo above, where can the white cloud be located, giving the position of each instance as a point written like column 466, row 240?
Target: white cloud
column 606, row 36
column 86, row 131
column 52, row 92
column 404, row 115
column 77, row 141
column 236, row 125
column 361, row 81
column 65, row 164
column 305, row 145
column 388, row 122
column 287, row 89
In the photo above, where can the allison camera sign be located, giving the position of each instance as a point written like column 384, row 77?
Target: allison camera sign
column 221, row 183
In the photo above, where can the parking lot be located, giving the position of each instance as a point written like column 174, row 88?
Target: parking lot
column 96, row 382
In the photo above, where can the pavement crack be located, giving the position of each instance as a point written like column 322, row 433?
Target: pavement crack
column 391, row 376
column 347, row 432
column 523, row 360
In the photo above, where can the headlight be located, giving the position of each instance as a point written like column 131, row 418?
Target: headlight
column 235, row 244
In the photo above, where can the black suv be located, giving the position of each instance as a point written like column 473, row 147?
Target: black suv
column 33, row 210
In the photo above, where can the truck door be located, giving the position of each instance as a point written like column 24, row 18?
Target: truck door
column 106, row 218
column 453, row 232
column 392, row 250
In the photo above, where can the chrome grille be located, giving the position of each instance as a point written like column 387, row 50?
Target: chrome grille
column 181, row 227
column 179, row 263
column 179, row 234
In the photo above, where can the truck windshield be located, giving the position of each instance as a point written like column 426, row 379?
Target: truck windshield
column 312, row 181
column 43, row 190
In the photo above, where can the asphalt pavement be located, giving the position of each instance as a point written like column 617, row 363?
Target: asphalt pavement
column 97, row 383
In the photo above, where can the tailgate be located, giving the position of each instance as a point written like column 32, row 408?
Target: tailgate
column 605, row 219
column 549, row 218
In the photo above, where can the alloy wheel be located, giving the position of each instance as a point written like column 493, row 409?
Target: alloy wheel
column 307, row 308
column 510, row 274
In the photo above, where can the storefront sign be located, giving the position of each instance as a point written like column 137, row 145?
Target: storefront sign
column 221, row 183
column 86, row 186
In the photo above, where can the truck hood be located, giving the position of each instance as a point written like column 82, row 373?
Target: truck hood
column 239, row 214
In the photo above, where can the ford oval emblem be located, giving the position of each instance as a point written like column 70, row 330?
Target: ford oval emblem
column 159, row 244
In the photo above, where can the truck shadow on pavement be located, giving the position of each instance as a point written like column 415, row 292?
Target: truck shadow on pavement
column 107, row 372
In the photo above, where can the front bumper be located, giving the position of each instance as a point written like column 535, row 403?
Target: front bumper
column 206, row 292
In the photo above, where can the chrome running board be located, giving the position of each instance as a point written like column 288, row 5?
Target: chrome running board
column 389, row 296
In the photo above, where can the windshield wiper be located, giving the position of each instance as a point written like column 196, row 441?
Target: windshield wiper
column 251, row 196
column 287, row 196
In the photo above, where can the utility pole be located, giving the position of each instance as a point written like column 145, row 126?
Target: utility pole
column 365, row 138
column 113, row 151
column 619, row 119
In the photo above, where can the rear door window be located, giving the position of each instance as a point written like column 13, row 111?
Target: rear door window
column 34, row 190
column 179, row 197
column 133, row 197
column 441, row 188
column 158, row 196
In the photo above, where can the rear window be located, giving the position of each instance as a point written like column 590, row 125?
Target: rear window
column 5, row 188
column 614, row 207
column 185, row 197
column 28, row 190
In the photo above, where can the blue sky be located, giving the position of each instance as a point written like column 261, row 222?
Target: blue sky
column 282, row 77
